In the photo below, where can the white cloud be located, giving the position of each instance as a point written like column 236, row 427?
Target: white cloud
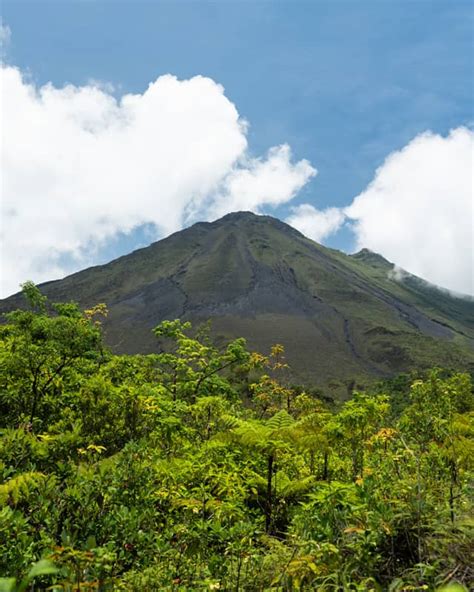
column 316, row 224
column 398, row 274
column 263, row 182
column 418, row 210
column 80, row 166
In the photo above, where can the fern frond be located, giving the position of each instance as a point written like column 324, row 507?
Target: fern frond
column 297, row 488
column 280, row 420
column 252, row 434
column 229, row 421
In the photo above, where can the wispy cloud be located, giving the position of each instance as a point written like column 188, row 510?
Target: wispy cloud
column 5, row 35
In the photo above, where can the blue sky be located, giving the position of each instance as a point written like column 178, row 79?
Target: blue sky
column 343, row 83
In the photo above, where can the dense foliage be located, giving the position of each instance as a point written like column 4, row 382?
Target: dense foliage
column 199, row 469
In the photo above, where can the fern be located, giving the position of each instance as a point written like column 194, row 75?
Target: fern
column 229, row 421
column 297, row 488
column 252, row 434
column 280, row 420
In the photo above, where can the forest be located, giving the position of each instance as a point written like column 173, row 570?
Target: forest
column 203, row 468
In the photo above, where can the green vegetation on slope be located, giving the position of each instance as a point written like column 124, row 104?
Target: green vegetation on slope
column 341, row 318
column 198, row 468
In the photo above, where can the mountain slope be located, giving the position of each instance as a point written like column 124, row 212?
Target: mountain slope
column 341, row 318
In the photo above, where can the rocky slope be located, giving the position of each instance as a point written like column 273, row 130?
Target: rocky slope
column 341, row 318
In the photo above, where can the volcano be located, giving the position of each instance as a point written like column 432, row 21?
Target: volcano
column 343, row 319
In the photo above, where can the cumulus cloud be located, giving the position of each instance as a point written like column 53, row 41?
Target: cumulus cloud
column 316, row 224
column 79, row 166
column 418, row 210
column 264, row 182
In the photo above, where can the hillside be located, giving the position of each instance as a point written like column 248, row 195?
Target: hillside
column 341, row 318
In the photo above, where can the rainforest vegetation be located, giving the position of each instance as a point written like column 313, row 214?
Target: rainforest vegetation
column 202, row 468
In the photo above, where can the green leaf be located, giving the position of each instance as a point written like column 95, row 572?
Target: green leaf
column 7, row 584
column 44, row 567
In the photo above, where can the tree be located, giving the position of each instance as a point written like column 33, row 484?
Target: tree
column 39, row 346
column 359, row 419
column 269, row 438
column 190, row 367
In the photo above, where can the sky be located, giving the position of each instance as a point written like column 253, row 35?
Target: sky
column 125, row 121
